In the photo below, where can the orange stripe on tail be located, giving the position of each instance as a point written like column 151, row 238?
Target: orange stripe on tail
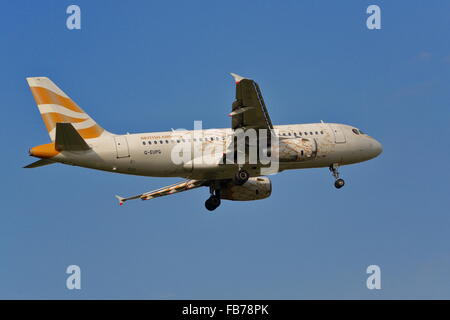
column 45, row 96
column 50, row 98
column 52, row 118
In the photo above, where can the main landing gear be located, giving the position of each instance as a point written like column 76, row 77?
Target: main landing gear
column 241, row 177
column 338, row 183
column 213, row 202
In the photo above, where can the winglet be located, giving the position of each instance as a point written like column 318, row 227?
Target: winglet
column 121, row 200
column 237, row 78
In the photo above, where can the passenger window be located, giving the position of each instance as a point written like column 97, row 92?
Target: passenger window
column 310, row 133
column 321, row 132
column 167, row 141
column 317, row 132
column 355, row 131
column 155, row 142
column 178, row 141
column 306, row 133
column 300, row 133
column 289, row 134
column 143, row 142
column 149, row 142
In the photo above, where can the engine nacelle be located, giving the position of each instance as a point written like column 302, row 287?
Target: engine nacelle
column 291, row 150
column 255, row 188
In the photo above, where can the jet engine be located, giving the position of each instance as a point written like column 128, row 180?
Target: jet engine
column 255, row 188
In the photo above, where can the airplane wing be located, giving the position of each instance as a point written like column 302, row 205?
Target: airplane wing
column 174, row 188
column 249, row 109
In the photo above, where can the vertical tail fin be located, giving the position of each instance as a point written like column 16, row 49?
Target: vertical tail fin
column 55, row 106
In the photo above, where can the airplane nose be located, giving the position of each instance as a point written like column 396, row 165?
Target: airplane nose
column 377, row 148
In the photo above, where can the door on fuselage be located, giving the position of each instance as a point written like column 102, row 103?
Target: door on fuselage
column 339, row 136
column 121, row 147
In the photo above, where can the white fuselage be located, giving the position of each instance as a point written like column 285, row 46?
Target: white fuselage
column 150, row 154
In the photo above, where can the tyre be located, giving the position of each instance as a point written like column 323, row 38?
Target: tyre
column 212, row 203
column 215, row 201
column 339, row 183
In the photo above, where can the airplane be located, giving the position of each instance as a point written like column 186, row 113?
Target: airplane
column 76, row 139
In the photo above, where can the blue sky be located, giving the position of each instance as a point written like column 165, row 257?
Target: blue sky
column 139, row 66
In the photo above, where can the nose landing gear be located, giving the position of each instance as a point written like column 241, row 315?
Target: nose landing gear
column 338, row 183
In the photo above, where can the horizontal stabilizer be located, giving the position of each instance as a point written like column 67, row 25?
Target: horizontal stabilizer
column 68, row 139
column 39, row 163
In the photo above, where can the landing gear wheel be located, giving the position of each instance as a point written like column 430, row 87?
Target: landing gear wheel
column 241, row 177
column 339, row 183
column 212, row 203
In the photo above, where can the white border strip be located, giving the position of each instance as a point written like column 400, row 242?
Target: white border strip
column 47, row 108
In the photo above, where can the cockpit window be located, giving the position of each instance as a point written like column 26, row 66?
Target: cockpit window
column 361, row 132
column 355, row 131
